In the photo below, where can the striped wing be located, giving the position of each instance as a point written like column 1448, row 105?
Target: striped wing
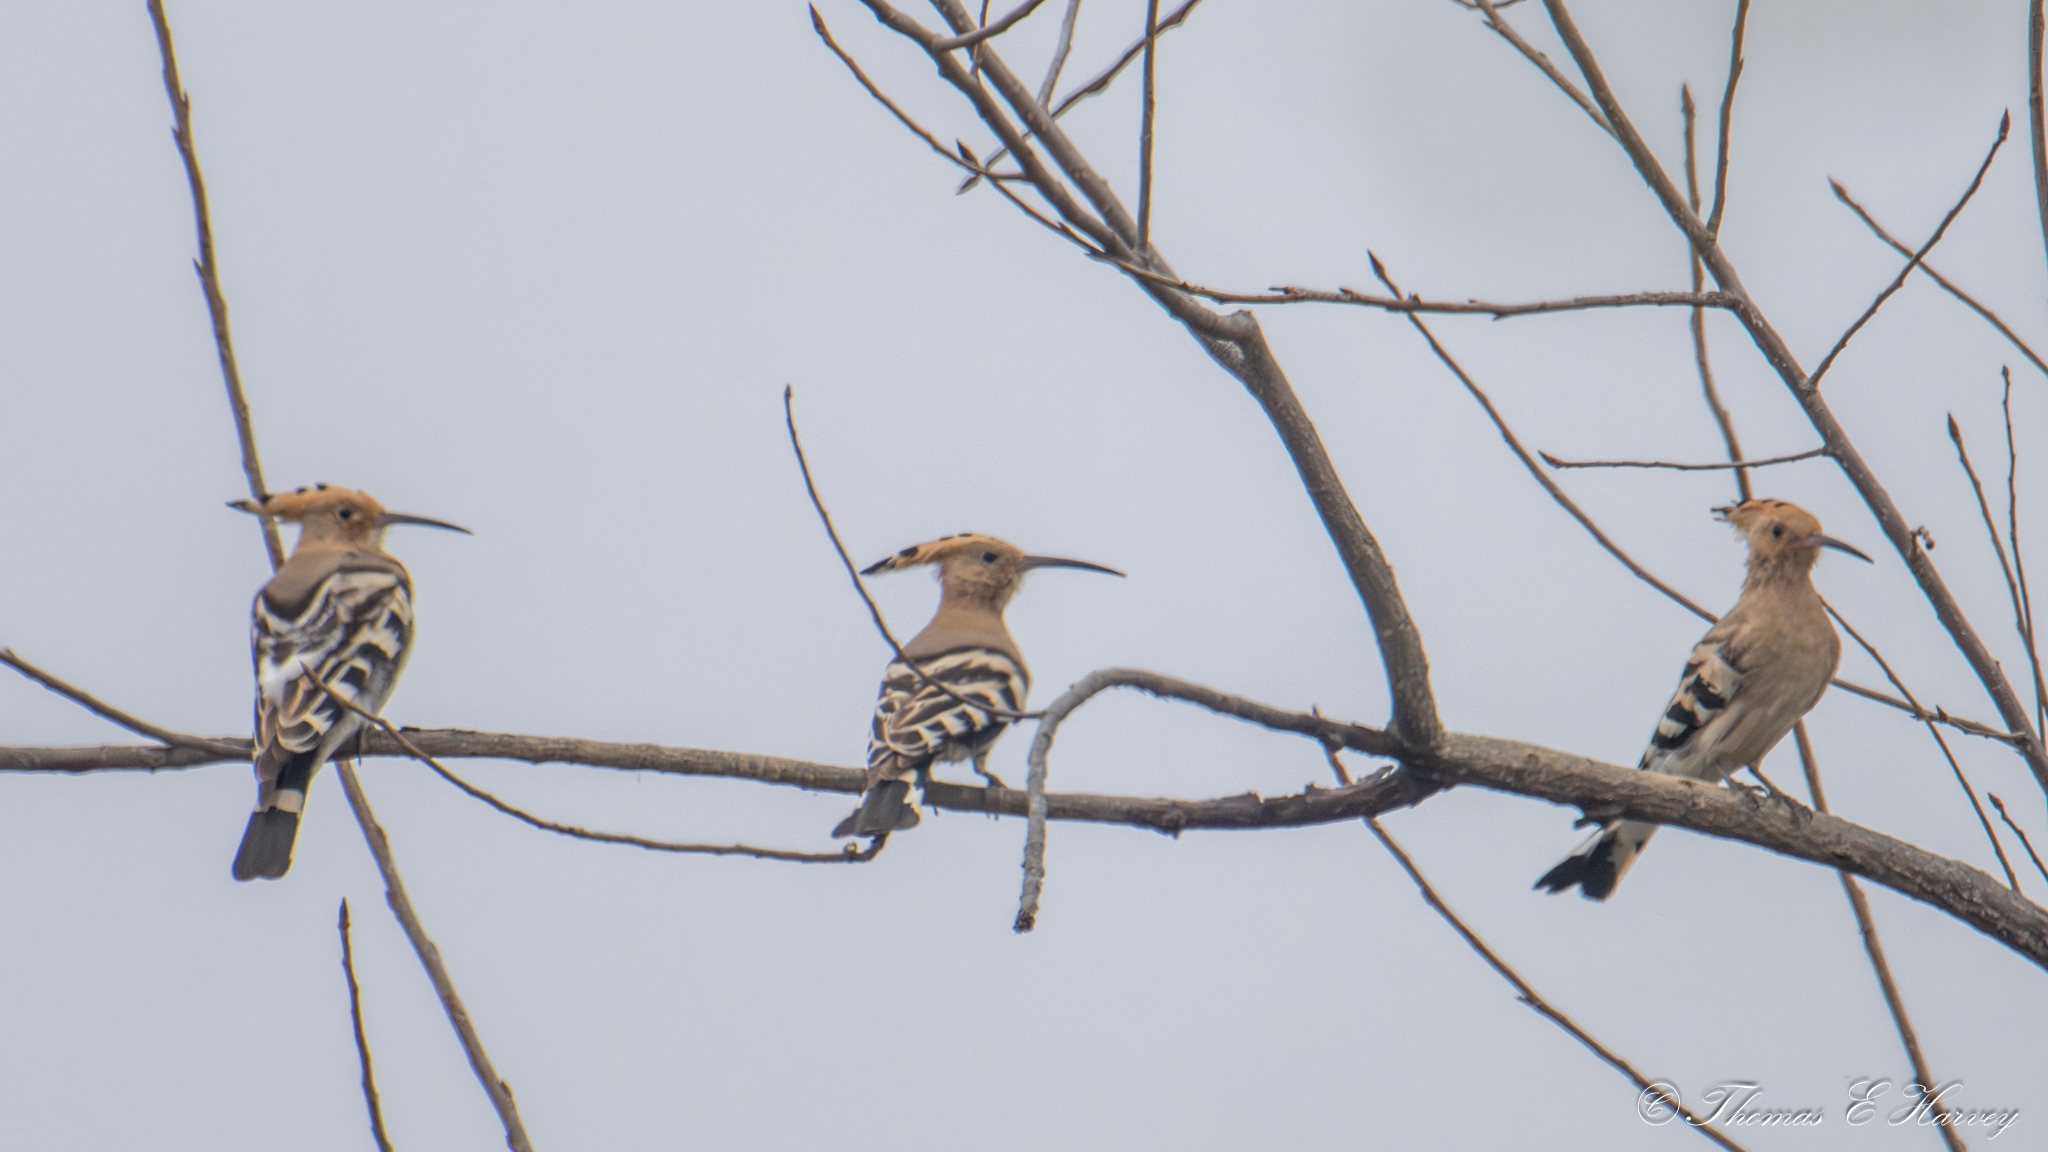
column 351, row 634
column 1710, row 682
column 916, row 723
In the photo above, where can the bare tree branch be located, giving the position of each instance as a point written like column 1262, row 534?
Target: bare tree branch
column 1060, row 50
column 1961, row 780
column 1867, row 926
column 1779, row 355
column 1699, row 317
column 987, row 30
column 1989, row 316
column 106, row 711
column 1507, row 32
column 1147, row 112
column 209, row 277
column 2017, row 831
column 1727, row 118
column 2040, row 134
column 1101, row 81
column 355, row 1013
column 1529, row 996
column 1899, row 281
column 2019, row 564
column 849, row 855
column 2022, row 622
column 430, row 958
column 1554, row 462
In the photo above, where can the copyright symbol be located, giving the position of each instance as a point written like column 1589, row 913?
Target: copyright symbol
column 1658, row 1102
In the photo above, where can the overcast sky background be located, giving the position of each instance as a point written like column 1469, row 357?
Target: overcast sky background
column 544, row 270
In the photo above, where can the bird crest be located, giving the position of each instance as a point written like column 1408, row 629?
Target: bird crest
column 328, row 515
column 936, row 552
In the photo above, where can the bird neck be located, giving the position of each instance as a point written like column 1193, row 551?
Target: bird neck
column 1791, row 570
column 962, row 623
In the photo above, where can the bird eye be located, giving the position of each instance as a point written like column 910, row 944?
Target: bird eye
column 988, row 557
column 346, row 513
column 1777, row 530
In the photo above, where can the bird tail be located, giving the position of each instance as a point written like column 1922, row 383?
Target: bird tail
column 886, row 809
column 266, row 850
column 1600, row 862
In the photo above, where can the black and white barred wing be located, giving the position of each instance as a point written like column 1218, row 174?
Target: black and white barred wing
column 916, row 723
column 350, row 634
column 1705, row 691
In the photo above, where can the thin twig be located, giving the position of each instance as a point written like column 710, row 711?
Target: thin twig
column 1722, row 419
column 2024, row 842
column 1059, row 53
column 1100, row 83
column 1507, row 32
column 1515, row 445
column 209, row 278
column 1961, row 780
column 107, row 711
column 825, row 34
column 1813, row 379
column 2019, row 565
column 1867, row 925
column 987, row 30
column 2034, row 117
column 2012, row 584
column 1529, row 996
column 1291, row 294
column 1989, row 316
column 430, row 958
column 848, row 856
column 1554, row 462
column 1146, row 113
column 1727, row 118
column 817, row 502
column 355, row 1013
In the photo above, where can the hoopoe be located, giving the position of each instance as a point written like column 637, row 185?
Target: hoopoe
column 1751, row 678
column 968, row 649
column 340, row 610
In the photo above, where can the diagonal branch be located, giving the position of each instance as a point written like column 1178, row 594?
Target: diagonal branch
column 209, row 277
column 106, row 711
column 1867, row 926
column 1899, row 281
column 355, row 1013
column 1722, row 419
column 430, row 959
column 987, row 30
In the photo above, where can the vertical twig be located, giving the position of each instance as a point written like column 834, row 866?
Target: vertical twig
column 1875, row 948
column 1059, row 53
column 1727, row 119
column 355, row 1012
column 2022, row 617
column 1699, row 315
column 2019, row 565
column 209, row 277
column 430, row 958
column 1145, row 133
column 2040, row 131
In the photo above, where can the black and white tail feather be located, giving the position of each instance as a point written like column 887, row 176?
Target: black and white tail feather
column 916, row 724
column 1678, row 748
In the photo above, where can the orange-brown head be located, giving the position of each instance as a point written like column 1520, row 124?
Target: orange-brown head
column 977, row 569
column 332, row 519
column 1781, row 536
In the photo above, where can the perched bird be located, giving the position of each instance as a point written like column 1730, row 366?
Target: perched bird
column 1747, row 682
column 965, row 648
column 340, row 610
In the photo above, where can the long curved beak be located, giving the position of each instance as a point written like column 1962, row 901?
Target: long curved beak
column 1820, row 541
column 1030, row 562
column 390, row 518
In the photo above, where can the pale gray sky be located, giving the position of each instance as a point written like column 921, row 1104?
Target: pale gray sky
column 544, row 269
